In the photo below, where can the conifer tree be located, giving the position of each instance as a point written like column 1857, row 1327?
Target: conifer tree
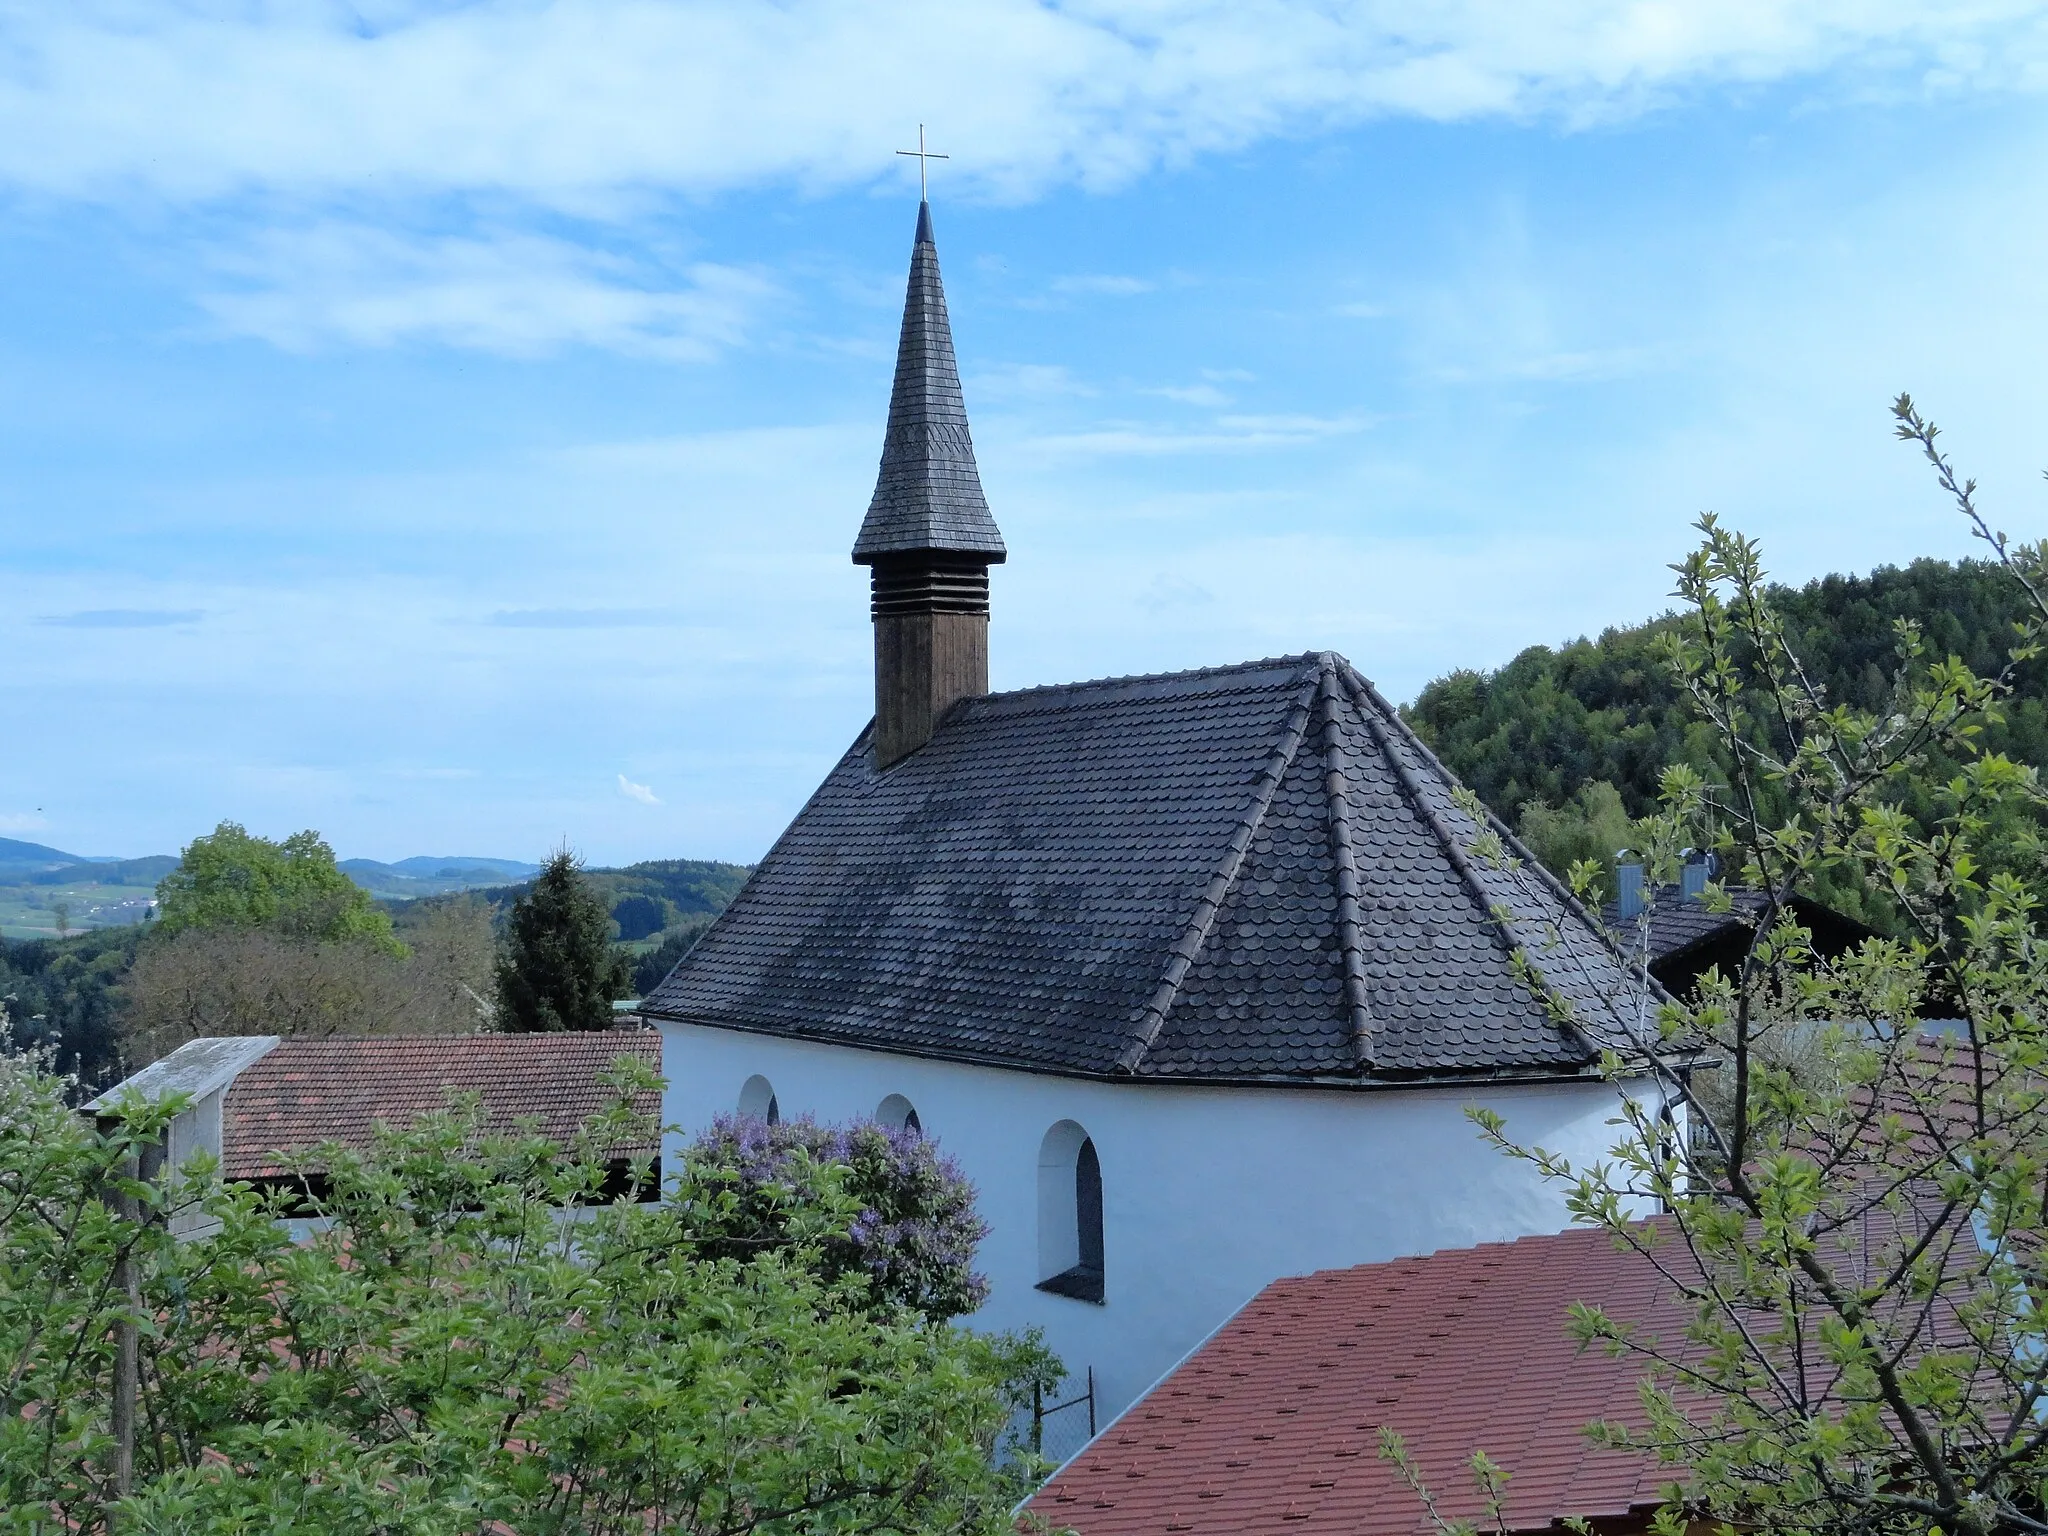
column 558, row 969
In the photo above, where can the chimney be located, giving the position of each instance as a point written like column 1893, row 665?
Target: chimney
column 1628, row 887
column 928, row 538
column 1692, row 875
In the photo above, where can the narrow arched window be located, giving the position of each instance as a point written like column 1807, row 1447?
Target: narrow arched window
column 1088, row 1214
column 1070, row 1247
column 899, row 1114
column 757, row 1100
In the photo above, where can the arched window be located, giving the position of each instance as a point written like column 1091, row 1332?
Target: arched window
column 1070, row 1214
column 757, row 1100
column 898, row 1114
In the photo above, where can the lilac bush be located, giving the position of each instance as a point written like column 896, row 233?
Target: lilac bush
column 896, row 1210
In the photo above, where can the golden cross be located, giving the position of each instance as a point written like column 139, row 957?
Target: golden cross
column 923, row 154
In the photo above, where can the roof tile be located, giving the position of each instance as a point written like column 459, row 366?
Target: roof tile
column 1250, row 872
column 305, row 1092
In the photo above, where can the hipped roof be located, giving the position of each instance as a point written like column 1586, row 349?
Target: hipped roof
column 1248, row 873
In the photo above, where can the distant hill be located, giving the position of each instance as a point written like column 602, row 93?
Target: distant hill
column 95, row 893
column 1567, row 743
column 105, row 872
column 659, row 908
column 410, row 879
column 35, row 880
column 668, row 892
column 34, row 855
column 423, row 866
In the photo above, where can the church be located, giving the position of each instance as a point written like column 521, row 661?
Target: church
column 1195, row 975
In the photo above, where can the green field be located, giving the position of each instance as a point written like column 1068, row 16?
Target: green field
column 30, row 911
column 111, row 894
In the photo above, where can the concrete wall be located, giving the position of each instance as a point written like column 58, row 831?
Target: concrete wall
column 1208, row 1193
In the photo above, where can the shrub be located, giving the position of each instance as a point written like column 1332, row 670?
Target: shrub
column 913, row 1234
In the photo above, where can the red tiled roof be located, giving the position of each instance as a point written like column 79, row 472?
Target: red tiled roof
column 309, row 1091
column 1273, row 1425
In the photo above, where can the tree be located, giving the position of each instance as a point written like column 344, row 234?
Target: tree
column 1858, row 1218
column 443, row 1352
column 255, row 983
column 652, row 968
column 62, row 912
column 70, row 998
column 639, row 917
column 231, row 879
column 558, row 969
column 1531, row 736
column 1593, row 826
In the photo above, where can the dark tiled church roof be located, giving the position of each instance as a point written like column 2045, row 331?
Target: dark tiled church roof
column 928, row 493
column 1239, row 874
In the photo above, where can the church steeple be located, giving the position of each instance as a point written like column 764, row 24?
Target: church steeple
column 928, row 534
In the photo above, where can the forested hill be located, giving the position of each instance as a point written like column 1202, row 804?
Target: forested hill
column 1567, row 743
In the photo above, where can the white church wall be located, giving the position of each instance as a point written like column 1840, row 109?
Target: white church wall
column 1208, row 1193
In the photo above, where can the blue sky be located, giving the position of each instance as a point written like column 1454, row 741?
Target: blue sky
column 444, row 425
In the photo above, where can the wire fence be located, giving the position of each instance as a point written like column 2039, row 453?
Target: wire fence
column 1063, row 1420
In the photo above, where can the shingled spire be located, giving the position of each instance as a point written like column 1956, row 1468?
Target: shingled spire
column 928, row 534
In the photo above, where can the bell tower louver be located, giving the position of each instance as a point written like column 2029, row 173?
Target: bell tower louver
column 928, row 537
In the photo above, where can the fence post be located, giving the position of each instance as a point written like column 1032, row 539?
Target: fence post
column 1091, row 1402
column 1037, row 1419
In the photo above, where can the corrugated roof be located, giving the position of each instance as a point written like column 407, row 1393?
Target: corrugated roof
column 305, row 1092
column 928, row 492
column 196, row 1069
column 1240, row 873
column 1273, row 1425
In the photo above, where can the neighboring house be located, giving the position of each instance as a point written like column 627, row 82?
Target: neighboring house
column 1686, row 940
column 1271, row 1427
column 258, row 1101
column 1195, row 975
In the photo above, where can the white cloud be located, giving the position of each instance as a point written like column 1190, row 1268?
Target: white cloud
column 638, row 792
column 123, row 618
column 1293, row 426
column 1588, row 367
column 584, row 618
column 1169, row 592
column 1012, row 381
column 1190, row 394
column 1230, row 434
column 1103, row 285
column 579, row 103
column 517, row 294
